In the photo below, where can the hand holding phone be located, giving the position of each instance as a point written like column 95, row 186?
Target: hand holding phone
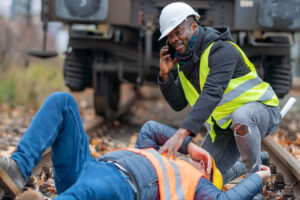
column 166, row 61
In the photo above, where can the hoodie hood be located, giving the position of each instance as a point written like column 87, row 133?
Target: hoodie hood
column 206, row 36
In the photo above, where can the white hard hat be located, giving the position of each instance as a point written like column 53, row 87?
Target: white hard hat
column 174, row 14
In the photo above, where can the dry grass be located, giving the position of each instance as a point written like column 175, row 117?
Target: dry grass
column 30, row 85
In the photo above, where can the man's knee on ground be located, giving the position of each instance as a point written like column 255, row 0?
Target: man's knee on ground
column 240, row 129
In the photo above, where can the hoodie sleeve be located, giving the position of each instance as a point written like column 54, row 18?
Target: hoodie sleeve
column 173, row 92
column 223, row 59
column 246, row 189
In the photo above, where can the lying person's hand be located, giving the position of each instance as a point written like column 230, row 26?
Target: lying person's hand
column 200, row 165
column 199, row 154
column 174, row 143
column 265, row 173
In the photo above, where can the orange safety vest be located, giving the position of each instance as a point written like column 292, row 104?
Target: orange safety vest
column 177, row 179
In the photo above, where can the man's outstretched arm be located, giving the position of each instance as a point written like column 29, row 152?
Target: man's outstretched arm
column 154, row 135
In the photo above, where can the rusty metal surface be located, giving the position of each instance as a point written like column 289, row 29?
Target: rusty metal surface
column 119, row 12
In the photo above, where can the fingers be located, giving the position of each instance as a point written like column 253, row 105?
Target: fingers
column 209, row 165
column 163, row 149
column 165, row 57
column 174, row 153
column 168, row 154
column 202, row 163
column 169, row 149
column 172, row 145
column 163, row 51
column 166, row 63
column 264, row 168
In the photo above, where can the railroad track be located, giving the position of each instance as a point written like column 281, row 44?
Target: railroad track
column 284, row 183
column 285, row 179
column 285, row 169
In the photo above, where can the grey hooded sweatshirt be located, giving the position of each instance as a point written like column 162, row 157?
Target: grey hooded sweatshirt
column 225, row 63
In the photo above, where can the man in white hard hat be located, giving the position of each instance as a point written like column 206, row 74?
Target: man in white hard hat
column 220, row 83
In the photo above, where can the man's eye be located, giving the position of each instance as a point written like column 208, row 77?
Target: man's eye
column 178, row 32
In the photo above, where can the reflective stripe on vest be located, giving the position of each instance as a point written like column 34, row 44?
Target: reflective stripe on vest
column 177, row 179
column 241, row 90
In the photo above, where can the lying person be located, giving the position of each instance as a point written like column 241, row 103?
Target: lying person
column 129, row 173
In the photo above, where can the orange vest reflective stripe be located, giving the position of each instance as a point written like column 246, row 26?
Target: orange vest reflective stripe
column 177, row 179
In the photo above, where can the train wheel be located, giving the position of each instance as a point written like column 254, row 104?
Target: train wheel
column 78, row 69
column 106, row 94
column 278, row 74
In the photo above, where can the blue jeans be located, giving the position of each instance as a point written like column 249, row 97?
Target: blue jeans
column 261, row 121
column 77, row 175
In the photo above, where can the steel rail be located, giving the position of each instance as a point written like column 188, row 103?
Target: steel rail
column 285, row 157
column 285, row 163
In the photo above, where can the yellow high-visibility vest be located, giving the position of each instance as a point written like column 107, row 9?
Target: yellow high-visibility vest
column 241, row 90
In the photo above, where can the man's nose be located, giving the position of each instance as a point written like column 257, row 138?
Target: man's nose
column 173, row 39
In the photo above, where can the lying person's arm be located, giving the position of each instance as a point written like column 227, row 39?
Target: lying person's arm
column 154, row 135
column 246, row 189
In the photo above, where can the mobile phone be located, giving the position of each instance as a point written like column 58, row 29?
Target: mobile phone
column 171, row 50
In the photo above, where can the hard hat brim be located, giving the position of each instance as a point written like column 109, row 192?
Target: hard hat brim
column 217, row 178
column 167, row 31
column 170, row 29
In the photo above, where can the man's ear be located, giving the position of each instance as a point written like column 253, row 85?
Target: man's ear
column 194, row 26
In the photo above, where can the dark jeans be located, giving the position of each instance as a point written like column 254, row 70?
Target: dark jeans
column 77, row 175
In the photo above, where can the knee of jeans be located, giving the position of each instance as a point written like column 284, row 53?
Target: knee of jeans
column 144, row 132
column 241, row 117
column 61, row 98
column 60, row 95
column 241, row 129
column 148, row 126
